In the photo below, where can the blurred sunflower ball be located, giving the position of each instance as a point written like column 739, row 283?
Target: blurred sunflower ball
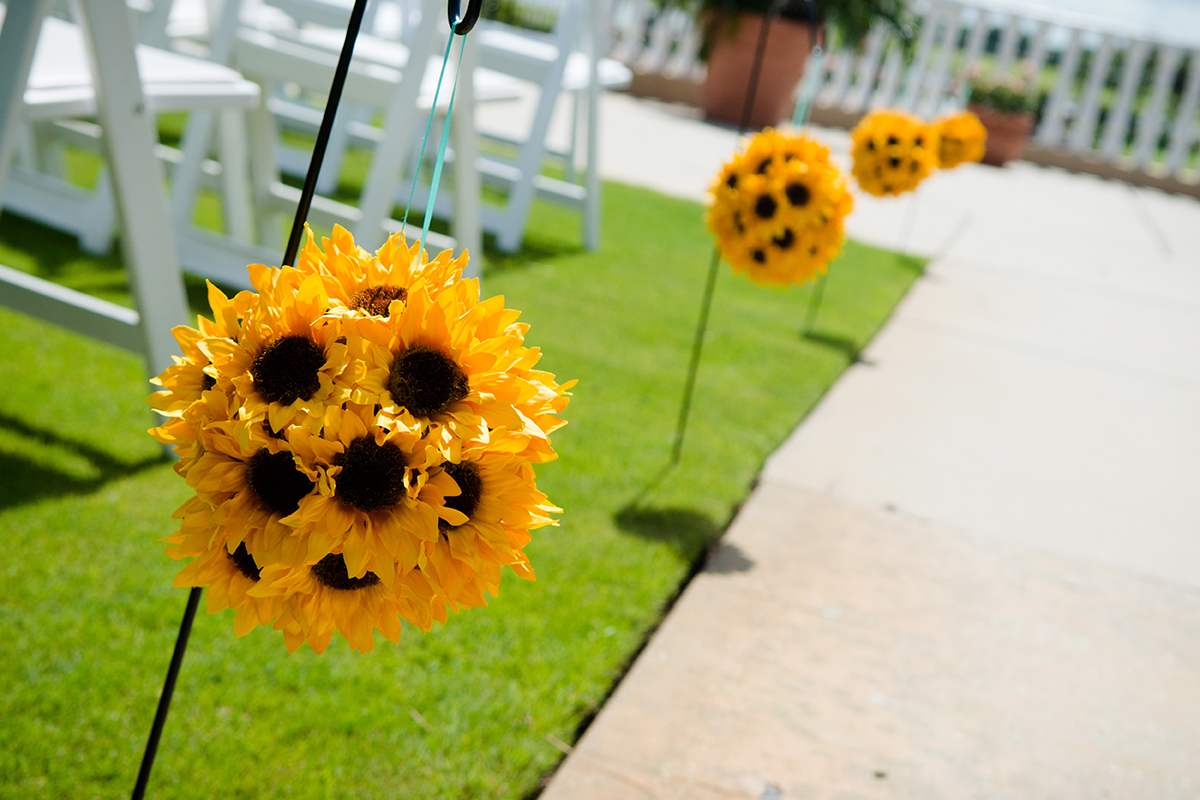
column 359, row 433
column 961, row 138
column 777, row 209
column 893, row 152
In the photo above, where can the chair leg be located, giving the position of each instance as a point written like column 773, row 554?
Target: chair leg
column 185, row 181
column 235, row 196
column 96, row 229
column 263, row 174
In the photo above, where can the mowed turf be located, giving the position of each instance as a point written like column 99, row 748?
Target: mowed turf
column 88, row 616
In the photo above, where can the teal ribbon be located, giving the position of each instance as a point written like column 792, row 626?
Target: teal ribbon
column 428, row 125
column 441, row 156
column 808, row 89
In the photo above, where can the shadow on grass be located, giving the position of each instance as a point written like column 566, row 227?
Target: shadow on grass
column 533, row 252
column 914, row 264
column 26, row 480
column 846, row 346
column 55, row 250
column 687, row 531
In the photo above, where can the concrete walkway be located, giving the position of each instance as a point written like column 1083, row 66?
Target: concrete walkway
column 974, row 570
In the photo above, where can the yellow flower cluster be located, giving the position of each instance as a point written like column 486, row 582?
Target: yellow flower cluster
column 893, row 152
column 360, row 434
column 777, row 209
column 961, row 138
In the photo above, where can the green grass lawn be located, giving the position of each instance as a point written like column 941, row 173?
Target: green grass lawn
column 88, row 615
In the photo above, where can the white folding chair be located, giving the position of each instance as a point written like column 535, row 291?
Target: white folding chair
column 116, row 96
column 60, row 98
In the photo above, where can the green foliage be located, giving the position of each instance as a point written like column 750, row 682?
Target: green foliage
column 520, row 15
column 88, row 614
column 851, row 19
column 1014, row 93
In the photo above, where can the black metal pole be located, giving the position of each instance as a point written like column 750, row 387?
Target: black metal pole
column 164, row 702
column 318, row 155
column 706, row 304
column 289, row 258
column 693, row 367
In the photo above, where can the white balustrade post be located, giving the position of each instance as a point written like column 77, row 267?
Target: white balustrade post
column 1183, row 132
column 1150, row 122
column 1122, row 109
column 1051, row 131
column 1084, row 128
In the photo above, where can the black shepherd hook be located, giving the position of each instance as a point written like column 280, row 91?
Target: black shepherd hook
column 462, row 23
column 810, row 8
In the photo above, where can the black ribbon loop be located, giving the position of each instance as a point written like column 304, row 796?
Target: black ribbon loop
column 462, row 23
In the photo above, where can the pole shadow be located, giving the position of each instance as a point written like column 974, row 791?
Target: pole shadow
column 851, row 349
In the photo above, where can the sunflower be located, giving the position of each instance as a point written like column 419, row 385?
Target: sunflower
column 961, row 138
column 361, row 284
column 776, row 209
column 286, row 359
column 893, row 152
column 500, row 504
column 320, row 599
column 359, row 434
column 376, row 500
column 228, row 574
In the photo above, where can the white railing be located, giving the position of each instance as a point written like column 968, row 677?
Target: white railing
column 1146, row 122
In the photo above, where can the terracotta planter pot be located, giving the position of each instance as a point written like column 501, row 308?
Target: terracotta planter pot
column 1007, row 134
column 732, row 58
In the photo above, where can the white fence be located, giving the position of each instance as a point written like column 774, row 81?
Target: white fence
column 1117, row 96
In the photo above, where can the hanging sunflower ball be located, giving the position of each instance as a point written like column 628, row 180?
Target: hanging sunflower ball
column 893, row 152
column 359, row 433
column 961, row 138
column 777, row 209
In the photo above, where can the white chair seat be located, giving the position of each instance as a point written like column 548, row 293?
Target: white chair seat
column 60, row 82
column 489, row 85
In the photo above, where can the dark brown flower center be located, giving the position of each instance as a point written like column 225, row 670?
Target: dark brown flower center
column 762, row 168
column 731, row 181
column 895, row 162
column 331, row 572
column 786, row 240
column 276, row 482
column 798, row 194
column 244, row 562
column 426, row 381
column 759, row 256
column 466, row 475
column 287, row 369
column 376, row 299
column 207, row 382
column 765, row 206
column 372, row 477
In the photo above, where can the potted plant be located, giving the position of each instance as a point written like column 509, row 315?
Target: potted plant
column 1005, row 105
column 731, row 31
